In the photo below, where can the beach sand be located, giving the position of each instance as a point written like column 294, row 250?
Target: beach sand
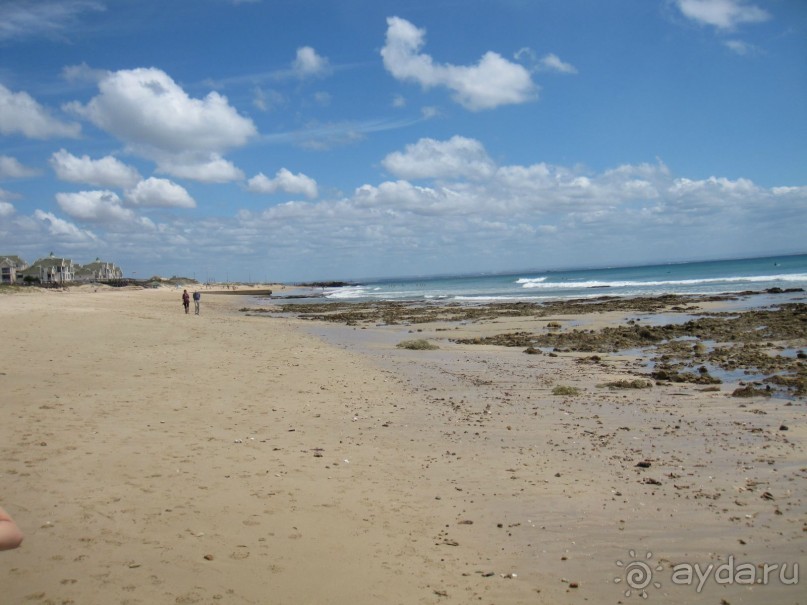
column 156, row 457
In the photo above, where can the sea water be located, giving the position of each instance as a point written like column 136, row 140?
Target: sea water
column 704, row 277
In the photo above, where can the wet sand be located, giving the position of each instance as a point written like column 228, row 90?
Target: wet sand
column 154, row 457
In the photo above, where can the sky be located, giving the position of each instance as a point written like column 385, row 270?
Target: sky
column 296, row 140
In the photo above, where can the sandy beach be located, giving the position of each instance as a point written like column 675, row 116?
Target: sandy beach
column 242, row 457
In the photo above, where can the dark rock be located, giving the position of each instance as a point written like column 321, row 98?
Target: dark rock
column 749, row 391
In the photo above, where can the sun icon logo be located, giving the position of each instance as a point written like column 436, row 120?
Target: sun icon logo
column 638, row 574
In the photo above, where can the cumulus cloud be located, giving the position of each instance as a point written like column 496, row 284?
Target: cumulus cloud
column 539, row 198
column 20, row 113
column 11, row 168
column 794, row 191
column 94, row 207
column 468, row 208
column 284, row 180
column 404, row 197
column 150, row 112
column 492, row 82
column 159, row 193
column 309, row 63
column 104, row 172
column 62, row 229
column 432, row 159
column 722, row 14
column 207, row 168
column 563, row 211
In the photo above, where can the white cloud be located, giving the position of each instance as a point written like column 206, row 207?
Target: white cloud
column 492, row 82
column 11, row 168
column 397, row 197
column 159, row 193
column 105, row 172
column 207, row 168
column 309, row 63
column 20, row 113
column 94, row 207
column 469, row 214
column 741, row 48
column 83, row 73
column 8, row 195
column 722, row 14
column 146, row 109
column 20, row 20
column 552, row 62
column 432, row 159
column 62, row 229
column 540, row 198
column 471, row 211
column 794, row 191
column 284, row 180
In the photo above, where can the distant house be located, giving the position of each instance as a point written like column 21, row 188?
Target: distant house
column 52, row 270
column 56, row 270
column 98, row 270
column 10, row 266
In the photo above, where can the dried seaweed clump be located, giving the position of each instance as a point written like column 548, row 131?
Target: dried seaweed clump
column 565, row 391
column 420, row 344
column 628, row 384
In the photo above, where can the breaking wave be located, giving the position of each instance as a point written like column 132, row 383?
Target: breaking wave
column 541, row 282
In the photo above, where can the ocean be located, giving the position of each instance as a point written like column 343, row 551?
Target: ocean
column 704, row 277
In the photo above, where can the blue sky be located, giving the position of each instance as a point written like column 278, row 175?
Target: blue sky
column 320, row 139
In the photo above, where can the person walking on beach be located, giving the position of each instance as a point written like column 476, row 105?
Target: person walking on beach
column 197, row 296
column 10, row 535
column 186, row 301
